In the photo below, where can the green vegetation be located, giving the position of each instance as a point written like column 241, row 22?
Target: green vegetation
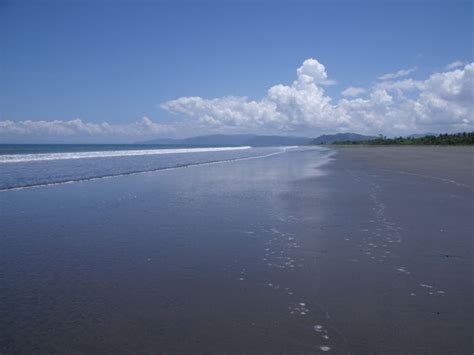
column 465, row 138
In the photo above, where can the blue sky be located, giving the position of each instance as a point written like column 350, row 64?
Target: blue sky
column 117, row 62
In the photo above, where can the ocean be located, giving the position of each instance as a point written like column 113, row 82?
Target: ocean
column 195, row 259
column 27, row 165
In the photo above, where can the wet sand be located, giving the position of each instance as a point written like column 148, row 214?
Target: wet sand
column 398, row 273
column 370, row 253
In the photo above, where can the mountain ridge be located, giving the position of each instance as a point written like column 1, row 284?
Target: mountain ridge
column 233, row 140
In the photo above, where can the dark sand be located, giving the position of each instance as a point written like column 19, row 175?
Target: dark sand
column 372, row 253
column 400, row 233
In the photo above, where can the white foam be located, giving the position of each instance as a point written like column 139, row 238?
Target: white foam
column 403, row 270
column 325, row 348
column 426, row 286
column 22, row 158
column 318, row 328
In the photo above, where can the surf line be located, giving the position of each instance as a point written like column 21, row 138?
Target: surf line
column 284, row 150
column 26, row 158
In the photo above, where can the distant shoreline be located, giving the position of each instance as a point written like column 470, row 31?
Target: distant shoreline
column 458, row 139
column 335, row 145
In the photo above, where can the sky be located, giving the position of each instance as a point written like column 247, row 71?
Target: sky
column 124, row 71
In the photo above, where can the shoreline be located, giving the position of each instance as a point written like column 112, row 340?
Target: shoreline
column 336, row 146
column 257, row 255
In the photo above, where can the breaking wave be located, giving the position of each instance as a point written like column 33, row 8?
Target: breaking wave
column 22, row 158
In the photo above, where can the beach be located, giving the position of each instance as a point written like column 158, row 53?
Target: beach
column 400, row 225
column 366, row 251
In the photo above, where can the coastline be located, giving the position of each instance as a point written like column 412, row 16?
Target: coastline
column 274, row 254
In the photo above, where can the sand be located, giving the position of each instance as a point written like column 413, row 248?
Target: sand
column 398, row 273
column 370, row 253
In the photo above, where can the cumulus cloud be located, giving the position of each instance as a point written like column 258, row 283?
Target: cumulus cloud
column 454, row 65
column 287, row 108
column 143, row 127
column 353, row 91
column 312, row 71
column 448, row 98
column 399, row 74
column 441, row 102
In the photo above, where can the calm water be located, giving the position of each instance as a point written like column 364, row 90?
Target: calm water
column 33, row 165
column 195, row 259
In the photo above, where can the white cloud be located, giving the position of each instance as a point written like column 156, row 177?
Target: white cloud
column 353, row 91
column 442, row 102
column 454, row 65
column 402, row 85
column 143, row 127
column 312, row 71
column 288, row 108
column 448, row 98
column 399, row 74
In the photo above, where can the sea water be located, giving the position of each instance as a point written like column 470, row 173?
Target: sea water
column 35, row 165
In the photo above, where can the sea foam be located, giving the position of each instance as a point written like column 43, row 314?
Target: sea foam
column 21, row 158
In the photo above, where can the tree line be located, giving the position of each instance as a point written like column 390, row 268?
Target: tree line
column 464, row 138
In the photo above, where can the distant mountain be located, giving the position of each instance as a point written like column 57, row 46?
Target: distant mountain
column 164, row 141
column 338, row 137
column 210, row 140
column 219, row 139
column 278, row 140
column 232, row 140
